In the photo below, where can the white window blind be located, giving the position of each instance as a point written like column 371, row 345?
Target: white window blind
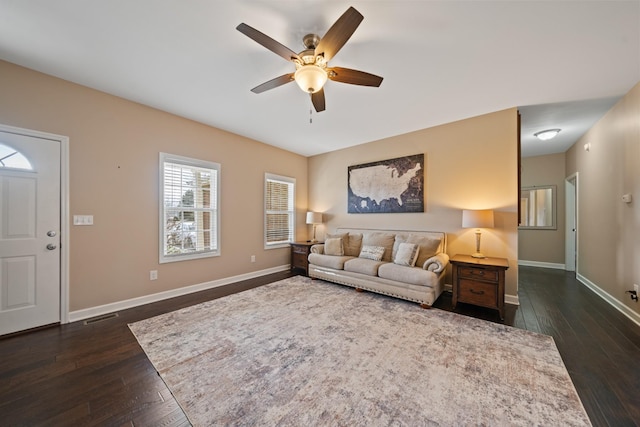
column 189, row 214
column 279, row 210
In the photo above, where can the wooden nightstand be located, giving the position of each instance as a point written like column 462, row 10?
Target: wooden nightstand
column 300, row 255
column 479, row 281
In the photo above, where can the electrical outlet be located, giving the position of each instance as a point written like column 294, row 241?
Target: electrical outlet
column 635, row 288
column 253, row 258
column 153, row 275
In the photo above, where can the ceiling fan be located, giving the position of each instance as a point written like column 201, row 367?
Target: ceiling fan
column 312, row 69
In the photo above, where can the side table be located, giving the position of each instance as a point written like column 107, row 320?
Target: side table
column 300, row 255
column 479, row 281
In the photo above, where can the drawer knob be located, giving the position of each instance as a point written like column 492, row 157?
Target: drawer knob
column 473, row 291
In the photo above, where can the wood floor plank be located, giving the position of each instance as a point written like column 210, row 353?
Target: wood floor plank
column 528, row 312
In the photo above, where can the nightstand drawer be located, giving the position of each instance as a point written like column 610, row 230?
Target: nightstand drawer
column 490, row 275
column 300, row 249
column 479, row 293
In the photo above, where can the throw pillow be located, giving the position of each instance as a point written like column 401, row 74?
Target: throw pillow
column 407, row 254
column 372, row 252
column 350, row 242
column 343, row 236
column 429, row 245
column 333, row 246
column 380, row 239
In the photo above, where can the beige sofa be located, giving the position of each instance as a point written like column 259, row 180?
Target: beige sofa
column 384, row 261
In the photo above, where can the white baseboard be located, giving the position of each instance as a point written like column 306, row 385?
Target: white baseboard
column 553, row 265
column 635, row 317
column 100, row 310
column 511, row 299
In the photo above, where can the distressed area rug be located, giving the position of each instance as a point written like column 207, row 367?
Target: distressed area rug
column 305, row 353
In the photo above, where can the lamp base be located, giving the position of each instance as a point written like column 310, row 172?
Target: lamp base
column 478, row 254
column 313, row 241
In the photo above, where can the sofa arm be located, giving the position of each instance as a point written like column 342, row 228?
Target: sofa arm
column 317, row 249
column 436, row 263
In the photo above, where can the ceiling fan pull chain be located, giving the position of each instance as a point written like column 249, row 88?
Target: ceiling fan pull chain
column 310, row 118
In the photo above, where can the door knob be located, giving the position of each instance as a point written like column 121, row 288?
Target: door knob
column 51, row 233
column 51, row 246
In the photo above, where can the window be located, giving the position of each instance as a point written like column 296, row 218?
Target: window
column 538, row 208
column 10, row 158
column 279, row 212
column 189, row 208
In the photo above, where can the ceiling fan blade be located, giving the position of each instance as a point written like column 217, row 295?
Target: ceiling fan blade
column 273, row 83
column 318, row 100
column 268, row 42
column 354, row 77
column 339, row 33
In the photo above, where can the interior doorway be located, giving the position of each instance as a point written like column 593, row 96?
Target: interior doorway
column 571, row 228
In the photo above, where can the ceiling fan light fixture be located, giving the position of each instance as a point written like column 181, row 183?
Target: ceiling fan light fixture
column 546, row 135
column 310, row 78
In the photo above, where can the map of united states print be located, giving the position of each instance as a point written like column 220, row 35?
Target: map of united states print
column 387, row 186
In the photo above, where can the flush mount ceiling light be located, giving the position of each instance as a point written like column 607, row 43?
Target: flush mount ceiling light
column 545, row 135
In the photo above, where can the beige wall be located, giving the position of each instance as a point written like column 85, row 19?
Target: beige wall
column 470, row 164
column 608, row 229
column 114, row 147
column 544, row 246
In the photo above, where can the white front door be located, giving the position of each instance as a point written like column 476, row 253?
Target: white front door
column 29, row 232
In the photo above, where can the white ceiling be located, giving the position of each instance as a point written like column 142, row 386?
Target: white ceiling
column 564, row 62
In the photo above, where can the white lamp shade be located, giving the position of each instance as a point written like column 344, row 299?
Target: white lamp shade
column 310, row 78
column 314, row 218
column 477, row 218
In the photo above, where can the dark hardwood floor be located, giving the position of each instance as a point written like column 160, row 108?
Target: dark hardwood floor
column 94, row 373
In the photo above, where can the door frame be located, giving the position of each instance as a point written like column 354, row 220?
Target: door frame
column 571, row 217
column 64, row 209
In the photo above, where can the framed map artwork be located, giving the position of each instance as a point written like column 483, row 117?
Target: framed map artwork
column 387, row 186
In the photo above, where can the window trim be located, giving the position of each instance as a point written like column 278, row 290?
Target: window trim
column 285, row 179
column 187, row 161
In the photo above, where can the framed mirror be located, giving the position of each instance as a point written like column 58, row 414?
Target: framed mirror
column 538, row 207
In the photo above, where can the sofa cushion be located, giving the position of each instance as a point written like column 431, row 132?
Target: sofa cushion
column 329, row 261
column 386, row 240
column 351, row 242
column 352, row 247
column 334, row 246
column 411, row 275
column 407, row 254
column 363, row 265
column 428, row 245
column 372, row 252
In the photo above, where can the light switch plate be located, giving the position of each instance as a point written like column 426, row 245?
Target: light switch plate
column 83, row 220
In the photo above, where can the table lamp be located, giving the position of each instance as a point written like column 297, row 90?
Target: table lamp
column 477, row 219
column 314, row 218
